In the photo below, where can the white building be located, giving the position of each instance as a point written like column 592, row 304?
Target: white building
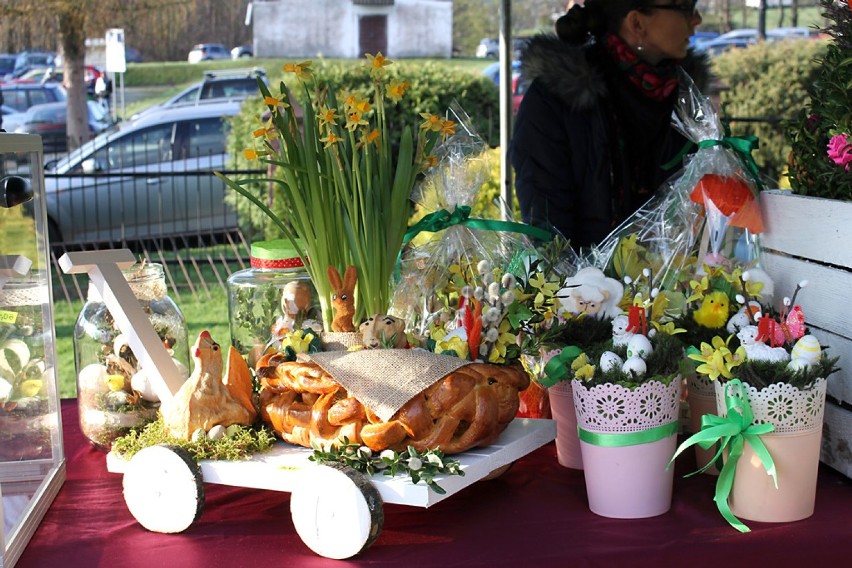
column 351, row 28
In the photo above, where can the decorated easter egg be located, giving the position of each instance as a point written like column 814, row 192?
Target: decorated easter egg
column 797, row 365
column 635, row 366
column 216, row 432
column 639, row 346
column 807, row 349
column 610, row 361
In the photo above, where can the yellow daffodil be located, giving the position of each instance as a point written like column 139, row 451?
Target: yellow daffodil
column 580, row 361
column 717, row 360
column 275, row 103
column 354, row 120
column 699, row 287
column 363, row 106
column 349, row 100
column 251, row 154
column 437, row 331
column 668, row 328
column 585, row 373
column 301, row 70
column 328, row 116
column 31, row 387
column 456, row 344
column 396, row 90
column 505, row 338
column 430, row 161
column 330, row 140
column 378, row 62
column 448, row 128
column 371, row 137
column 299, row 341
column 430, row 122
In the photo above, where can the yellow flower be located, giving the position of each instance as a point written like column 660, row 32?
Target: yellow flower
column 371, row 137
column 448, row 128
column 299, row 341
column 377, row 64
column 504, row 338
column 667, row 328
column 585, row 373
column 301, row 70
column 699, row 287
column 430, row 122
column 331, row 139
column 717, row 360
column 250, row 154
column 275, row 102
column 349, row 100
column 362, row 106
column 328, row 116
column 456, row 344
column 396, row 90
column 354, row 120
column 430, row 161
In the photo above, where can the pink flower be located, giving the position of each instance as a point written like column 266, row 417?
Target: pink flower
column 840, row 150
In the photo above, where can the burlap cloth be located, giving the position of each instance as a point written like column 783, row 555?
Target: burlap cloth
column 385, row 379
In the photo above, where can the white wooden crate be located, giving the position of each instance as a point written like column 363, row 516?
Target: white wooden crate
column 281, row 468
column 809, row 238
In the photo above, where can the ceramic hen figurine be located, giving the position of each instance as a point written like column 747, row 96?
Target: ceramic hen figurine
column 210, row 397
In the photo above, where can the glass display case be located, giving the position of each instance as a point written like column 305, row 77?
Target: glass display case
column 32, row 463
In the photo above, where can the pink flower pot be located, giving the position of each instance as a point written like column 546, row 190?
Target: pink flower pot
column 562, row 409
column 795, row 448
column 701, row 397
column 624, row 464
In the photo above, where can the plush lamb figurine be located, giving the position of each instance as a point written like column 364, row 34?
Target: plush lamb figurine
column 758, row 350
column 592, row 293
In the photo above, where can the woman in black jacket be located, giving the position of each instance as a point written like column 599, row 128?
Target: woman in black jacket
column 594, row 128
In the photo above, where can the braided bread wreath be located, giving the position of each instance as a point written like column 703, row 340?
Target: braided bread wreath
column 467, row 408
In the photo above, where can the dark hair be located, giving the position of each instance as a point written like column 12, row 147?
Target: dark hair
column 594, row 18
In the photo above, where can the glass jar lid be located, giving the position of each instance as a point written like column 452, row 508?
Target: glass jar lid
column 279, row 253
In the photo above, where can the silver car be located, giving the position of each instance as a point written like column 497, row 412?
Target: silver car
column 148, row 179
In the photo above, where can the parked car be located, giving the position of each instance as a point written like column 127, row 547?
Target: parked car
column 490, row 47
column 54, row 75
column 520, row 84
column 11, row 118
column 779, row 34
column 492, row 71
column 699, row 37
column 26, row 60
column 207, row 52
column 7, row 65
column 22, row 96
column 242, row 51
column 234, row 84
column 132, row 55
column 50, row 122
column 149, row 178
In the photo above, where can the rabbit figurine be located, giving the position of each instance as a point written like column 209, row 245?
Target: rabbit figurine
column 343, row 298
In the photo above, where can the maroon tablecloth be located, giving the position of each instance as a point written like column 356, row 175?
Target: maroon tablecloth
column 536, row 514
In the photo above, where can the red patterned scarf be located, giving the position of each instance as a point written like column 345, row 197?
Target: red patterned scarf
column 655, row 82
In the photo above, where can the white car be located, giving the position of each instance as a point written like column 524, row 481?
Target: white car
column 208, row 51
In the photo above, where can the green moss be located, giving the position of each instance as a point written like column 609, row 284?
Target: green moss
column 243, row 442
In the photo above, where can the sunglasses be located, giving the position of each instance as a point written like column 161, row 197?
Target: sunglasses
column 688, row 9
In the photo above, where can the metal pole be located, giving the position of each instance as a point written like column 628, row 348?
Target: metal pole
column 506, row 56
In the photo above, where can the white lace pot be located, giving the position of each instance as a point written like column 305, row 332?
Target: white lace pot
column 797, row 416
column 562, row 409
column 626, row 439
column 701, row 397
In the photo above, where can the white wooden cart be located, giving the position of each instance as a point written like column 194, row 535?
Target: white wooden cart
column 337, row 511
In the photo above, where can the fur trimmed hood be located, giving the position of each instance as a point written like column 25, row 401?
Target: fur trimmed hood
column 567, row 71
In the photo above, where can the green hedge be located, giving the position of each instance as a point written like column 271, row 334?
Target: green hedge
column 433, row 87
column 768, row 80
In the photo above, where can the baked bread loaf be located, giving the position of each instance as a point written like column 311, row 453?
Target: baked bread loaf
column 470, row 407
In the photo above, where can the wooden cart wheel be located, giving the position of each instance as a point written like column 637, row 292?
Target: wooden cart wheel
column 163, row 489
column 337, row 511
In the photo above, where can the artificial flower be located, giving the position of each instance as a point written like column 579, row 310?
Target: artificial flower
column 299, row 341
column 455, row 345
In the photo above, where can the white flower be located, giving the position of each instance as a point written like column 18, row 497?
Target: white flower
column 483, row 267
column 415, row 464
column 365, row 452
column 434, row 459
column 508, row 280
column 388, row 455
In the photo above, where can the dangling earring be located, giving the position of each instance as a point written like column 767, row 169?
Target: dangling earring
column 640, row 47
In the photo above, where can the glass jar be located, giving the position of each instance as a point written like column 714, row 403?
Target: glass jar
column 114, row 394
column 270, row 299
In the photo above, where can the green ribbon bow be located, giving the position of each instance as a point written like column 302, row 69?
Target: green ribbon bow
column 443, row 219
column 732, row 431
column 743, row 146
column 559, row 366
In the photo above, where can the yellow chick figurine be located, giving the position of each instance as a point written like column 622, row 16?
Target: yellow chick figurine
column 714, row 310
